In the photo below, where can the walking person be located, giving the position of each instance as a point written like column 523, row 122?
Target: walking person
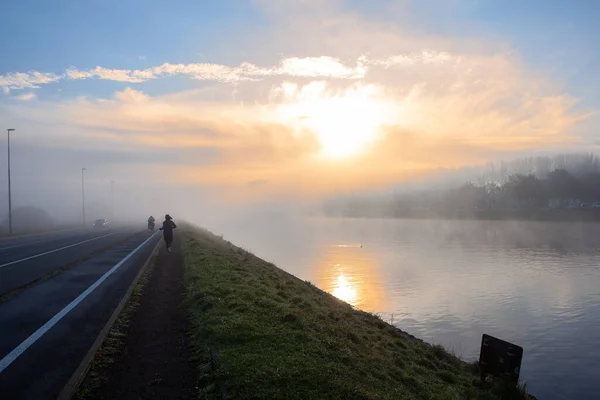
column 167, row 227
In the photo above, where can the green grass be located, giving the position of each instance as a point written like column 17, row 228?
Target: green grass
column 262, row 333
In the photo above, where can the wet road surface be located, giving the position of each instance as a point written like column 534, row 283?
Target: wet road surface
column 56, row 293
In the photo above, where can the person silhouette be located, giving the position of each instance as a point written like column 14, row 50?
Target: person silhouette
column 167, row 227
column 151, row 223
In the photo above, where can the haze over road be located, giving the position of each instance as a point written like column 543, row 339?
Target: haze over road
column 56, row 293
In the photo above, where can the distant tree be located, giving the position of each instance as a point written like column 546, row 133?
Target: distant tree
column 527, row 188
column 467, row 197
column 543, row 166
column 527, row 181
column 563, row 185
column 493, row 195
column 590, row 186
column 577, row 163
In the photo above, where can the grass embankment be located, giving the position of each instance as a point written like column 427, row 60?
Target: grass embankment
column 265, row 334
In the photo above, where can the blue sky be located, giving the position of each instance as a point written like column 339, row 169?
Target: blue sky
column 325, row 93
column 557, row 36
column 52, row 36
column 560, row 36
column 49, row 36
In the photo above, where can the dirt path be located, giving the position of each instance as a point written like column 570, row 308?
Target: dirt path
column 156, row 361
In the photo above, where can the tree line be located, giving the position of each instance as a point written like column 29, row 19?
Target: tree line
column 536, row 183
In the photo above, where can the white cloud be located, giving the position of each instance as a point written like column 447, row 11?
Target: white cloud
column 76, row 74
column 130, row 95
column 29, row 80
column 307, row 67
column 118, row 75
column 315, row 67
column 122, row 75
column 424, row 57
column 27, row 96
column 310, row 67
column 211, row 72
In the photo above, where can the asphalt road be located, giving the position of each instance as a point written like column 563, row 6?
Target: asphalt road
column 58, row 292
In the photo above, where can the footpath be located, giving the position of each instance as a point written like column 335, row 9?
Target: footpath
column 147, row 355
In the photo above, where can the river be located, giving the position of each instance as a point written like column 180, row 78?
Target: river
column 536, row 284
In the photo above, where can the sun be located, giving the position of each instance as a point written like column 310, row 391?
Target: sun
column 344, row 123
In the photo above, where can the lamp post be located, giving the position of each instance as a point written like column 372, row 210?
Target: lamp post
column 83, row 195
column 112, row 201
column 9, row 130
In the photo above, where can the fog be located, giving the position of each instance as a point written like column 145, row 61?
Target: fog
column 121, row 186
column 127, row 186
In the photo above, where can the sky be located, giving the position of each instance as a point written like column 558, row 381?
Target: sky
column 186, row 102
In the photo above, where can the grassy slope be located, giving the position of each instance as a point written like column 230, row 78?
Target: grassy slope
column 279, row 337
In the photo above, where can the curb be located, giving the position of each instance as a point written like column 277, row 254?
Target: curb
column 75, row 381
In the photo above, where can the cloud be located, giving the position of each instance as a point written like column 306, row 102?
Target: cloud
column 27, row 96
column 118, row 75
column 309, row 67
column 443, row 120
column 130, row 95
column 317, row 67
column 28, row 80
column 424, row 57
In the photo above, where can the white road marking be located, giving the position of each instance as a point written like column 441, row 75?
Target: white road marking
column 55, row 250
column 21, row 348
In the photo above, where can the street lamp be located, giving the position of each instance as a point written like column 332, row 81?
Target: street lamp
column 9, row 130
column 83, row 195
column 112, row 201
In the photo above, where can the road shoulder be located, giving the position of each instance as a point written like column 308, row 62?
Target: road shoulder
column 146, row 353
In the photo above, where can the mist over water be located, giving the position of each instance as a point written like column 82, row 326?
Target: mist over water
column 448, row 282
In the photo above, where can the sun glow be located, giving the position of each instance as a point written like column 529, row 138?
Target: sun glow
column 345, row 122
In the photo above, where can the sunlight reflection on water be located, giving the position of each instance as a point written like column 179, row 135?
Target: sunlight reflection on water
column 351, row 274
column 344, row 289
